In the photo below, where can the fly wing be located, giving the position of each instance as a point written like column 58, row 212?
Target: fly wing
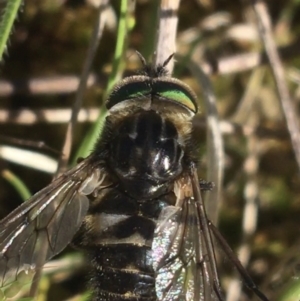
column 44, row 225
column 183, row 267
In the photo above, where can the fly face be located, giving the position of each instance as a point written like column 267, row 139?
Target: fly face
column 133, row 206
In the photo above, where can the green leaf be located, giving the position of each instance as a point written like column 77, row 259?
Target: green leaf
column 6, row 22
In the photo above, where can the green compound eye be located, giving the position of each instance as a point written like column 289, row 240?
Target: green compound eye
column 175, row 90
column 140, row 86
column 132, row 87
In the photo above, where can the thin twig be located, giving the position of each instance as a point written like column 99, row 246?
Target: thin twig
column 93, row 46
column 166, row 33
column 250, row 213
column 32, row 144
column 247, row 61
column 264, row 23
column 252, row 91
column 251, row 164
column 215, row 148
column 44, row 85
column 58, row 115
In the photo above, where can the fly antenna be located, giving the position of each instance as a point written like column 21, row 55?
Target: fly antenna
column 142, row 59
column 154, row 71
column 161, row 69
column 167, row 61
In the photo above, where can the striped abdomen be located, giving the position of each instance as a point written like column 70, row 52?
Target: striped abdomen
column 118, row 234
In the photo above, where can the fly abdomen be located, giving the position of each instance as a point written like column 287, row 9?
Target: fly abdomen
column 117, row 234
column 122, row 272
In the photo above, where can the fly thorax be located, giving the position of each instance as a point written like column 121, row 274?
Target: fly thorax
column 145, row 154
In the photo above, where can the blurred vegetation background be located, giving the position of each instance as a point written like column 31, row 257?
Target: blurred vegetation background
column 40, row 73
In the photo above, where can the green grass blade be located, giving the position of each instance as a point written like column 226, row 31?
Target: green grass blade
column 125, row 24
column 6, row 22
column 17, row 183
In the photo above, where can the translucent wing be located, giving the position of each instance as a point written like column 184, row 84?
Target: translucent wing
column 183, row 251
column 44, row 225
column 184, row 269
